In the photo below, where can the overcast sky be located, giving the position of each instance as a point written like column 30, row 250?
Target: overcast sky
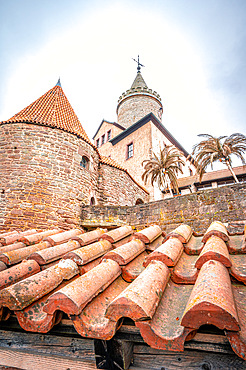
column 194, row 53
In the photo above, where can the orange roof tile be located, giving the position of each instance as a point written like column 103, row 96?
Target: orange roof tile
column 173, row 302
column 52, row 109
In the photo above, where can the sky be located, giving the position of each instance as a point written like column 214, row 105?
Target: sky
column 193, row 52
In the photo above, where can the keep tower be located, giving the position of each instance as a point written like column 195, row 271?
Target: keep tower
column 137, row 102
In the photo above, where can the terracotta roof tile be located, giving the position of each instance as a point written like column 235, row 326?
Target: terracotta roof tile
column 117, row 234
column 182, row 232
column 52, row 109
column 90, row 252
column 238, row 338
column 92, row 322
column 168, row 311
column 17, row 273
column 27, row 291
column 62, row 237
column 54, row 253
column 194, row 245
column 238, row 268
column 185, row 271
column 149, row 234
column 214, row 249
column 169, row 252
column 15, row 237
column 140, row 299
column 17, row 255
column 216, row 228
column 75, row 296
column 90, row 237
column 134, row 268
column 155, row 244
column 127, row 252
column 211, row 300
column 165, row 331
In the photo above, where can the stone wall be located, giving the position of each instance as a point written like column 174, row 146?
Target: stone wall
column 41, row 181
column 226, row 204
column 117, row 187
column 134, row 107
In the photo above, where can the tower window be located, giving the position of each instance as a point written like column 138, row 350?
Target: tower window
column 130, row 150
column 98, row 143
column 84, row 162
column 108, row 135
column 103, row 139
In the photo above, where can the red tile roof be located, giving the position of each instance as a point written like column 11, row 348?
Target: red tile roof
column 52, row 109
column 187, row 283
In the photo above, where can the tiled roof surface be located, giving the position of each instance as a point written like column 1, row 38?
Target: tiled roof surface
column 52, row 109
column 169, row 285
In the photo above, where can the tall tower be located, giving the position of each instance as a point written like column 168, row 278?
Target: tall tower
column 137, row 102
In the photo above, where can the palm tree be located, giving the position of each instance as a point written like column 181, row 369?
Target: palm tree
column 164, row 168
column 214, row 149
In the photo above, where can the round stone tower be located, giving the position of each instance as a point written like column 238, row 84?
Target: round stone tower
column 137, row 102
column 48, row 166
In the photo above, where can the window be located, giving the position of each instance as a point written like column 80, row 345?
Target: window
column 103, row 139
column 98, row 143
column 92, row 201
column 129, row 150
column 108, row 135
column 84, row 162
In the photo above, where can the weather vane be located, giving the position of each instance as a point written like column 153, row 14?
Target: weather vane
column 139, row 64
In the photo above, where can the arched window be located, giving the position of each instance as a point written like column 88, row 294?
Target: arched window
column 139, row 201
column 92, row 201
column 84, row 162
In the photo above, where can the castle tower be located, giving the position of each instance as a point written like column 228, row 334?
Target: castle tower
column 137, row 102
column 48, row 166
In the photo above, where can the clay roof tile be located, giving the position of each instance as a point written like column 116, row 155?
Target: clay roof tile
column 54, row 110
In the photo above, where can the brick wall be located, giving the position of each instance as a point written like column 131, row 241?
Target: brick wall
column 117, row 187
column 226, row 204
column 41, row 181
column 131, row 109
column 43, row 185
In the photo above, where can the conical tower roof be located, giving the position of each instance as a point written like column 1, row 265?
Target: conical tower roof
column 139, row 82
column 139, row 86
column 52, row 109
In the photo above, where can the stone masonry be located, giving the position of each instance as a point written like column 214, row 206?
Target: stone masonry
column 226, row 204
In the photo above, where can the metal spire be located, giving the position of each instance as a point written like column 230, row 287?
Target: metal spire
column 139, row 64
column 58, row 82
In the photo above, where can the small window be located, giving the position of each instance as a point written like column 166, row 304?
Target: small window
column 84, row 162
column 108, row 135
column 98, row 143
column 103, row 139
column 129, row 150
column 92, row 201
column 191, row 172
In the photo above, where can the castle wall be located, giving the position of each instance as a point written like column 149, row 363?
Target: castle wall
column 226, row 204
column 105, row 149
column 117, row 188
column 134, row 107
column 141, row 140
column 42, row 184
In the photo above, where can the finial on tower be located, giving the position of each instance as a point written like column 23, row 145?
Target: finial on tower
column 139, row 64
column 58, row 82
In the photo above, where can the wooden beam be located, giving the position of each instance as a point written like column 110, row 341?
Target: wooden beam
column 30, row 361
column 113, row 354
